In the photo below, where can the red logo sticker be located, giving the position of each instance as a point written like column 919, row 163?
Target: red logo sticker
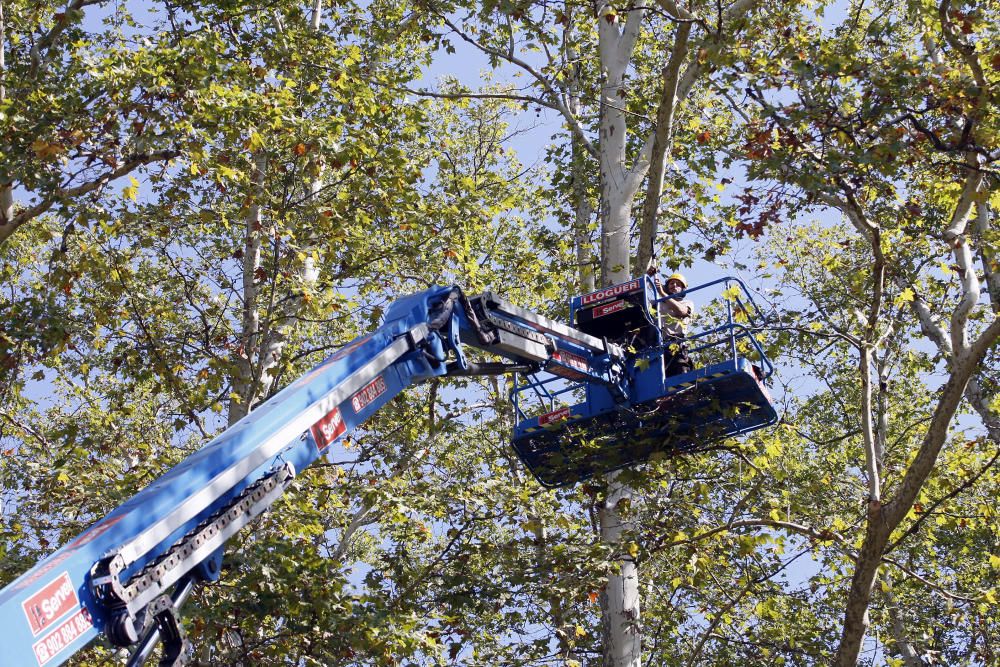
column 611, row 292
column 328, row 429
column 59, row 639
column 601, row 311
column 368, row 393
column 50, row 603
column 553, row 417
column 571, row 360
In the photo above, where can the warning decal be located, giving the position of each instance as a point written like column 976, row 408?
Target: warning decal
column 328, row 429
column 50, row 603
column 59, row 639
column 553, row 417
column 574, row 361
column 368, row 393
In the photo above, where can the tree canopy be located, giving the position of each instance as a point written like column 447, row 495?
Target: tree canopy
column 199, row 201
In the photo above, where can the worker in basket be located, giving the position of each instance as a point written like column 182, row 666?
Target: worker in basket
column 674, row 317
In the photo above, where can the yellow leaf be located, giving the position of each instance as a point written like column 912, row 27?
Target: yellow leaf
column 906, row 296
column 732, row 293
column 62, row 477
column 995, row 562
column 990, row 596
column 256, row 142
column 581, row 631
column 131, row 191
column 633, row 549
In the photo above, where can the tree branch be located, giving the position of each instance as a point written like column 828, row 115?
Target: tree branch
column 9, row 225
column 556, row 99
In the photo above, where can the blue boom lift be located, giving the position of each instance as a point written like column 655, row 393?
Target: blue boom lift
column 128, row 574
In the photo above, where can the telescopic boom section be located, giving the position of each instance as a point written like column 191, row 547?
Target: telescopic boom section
column 126, row 574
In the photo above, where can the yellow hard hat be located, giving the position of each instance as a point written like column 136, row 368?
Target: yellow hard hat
column 679, row 277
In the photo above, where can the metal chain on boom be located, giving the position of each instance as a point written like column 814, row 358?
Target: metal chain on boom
column 127, row 600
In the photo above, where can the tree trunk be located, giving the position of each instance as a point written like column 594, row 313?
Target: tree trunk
column 884, row 518
column 621, row 630
column 580, row 198
column 6, row 189
column 582, row 212
column 621, row 627
column 987, row 257
column 903, row 644
column 243, row 389
column 663, row 135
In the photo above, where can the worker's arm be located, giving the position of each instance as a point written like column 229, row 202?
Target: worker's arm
column 674, row 308
column 678, row 309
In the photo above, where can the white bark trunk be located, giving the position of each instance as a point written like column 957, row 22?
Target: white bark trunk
column 956, row 237
column 582, row 213
column 619, row 184
column 243, row 389
column 903, row 644
column 621, row 621
column 988, row 258
column 872, row 455
column 317, row 14
column 622, row 632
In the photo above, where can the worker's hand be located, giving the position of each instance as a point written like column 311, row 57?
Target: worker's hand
column 656, row 281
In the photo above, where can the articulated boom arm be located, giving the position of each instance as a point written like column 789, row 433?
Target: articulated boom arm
column 127, row 574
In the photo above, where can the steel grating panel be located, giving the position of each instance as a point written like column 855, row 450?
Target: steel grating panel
column 716, row 407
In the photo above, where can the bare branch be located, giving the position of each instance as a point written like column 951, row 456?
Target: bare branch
column 9, row 226
column 557, row 102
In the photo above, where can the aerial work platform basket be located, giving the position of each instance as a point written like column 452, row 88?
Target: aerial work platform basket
column 575, row 430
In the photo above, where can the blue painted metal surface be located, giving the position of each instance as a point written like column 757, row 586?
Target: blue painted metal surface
column 629, row 411
column 49, row 612
column 572, row 441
